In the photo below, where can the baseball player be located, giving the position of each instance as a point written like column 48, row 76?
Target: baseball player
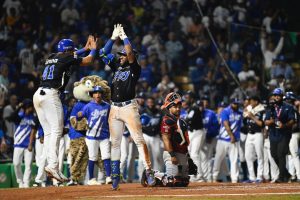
column 151, row 120
column 270, row 167
column 254, row 114
column 58, row 68
column 96, row 112
column 23, row 141
column 231, row 121
column 294, row 168
column 124, row 109
column 280, row 120
column 175, row 138
column 211, row 124
column 197, row 133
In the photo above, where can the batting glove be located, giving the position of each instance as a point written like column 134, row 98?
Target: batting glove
column 122, row 34
column 116, row 31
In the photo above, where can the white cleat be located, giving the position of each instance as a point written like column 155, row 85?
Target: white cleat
column 108, row 180
column 93, row 181
column 56, row 174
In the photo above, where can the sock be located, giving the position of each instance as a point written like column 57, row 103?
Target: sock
column 91, row 165
column 107, row 167
column 115, row 169
column 68, row 170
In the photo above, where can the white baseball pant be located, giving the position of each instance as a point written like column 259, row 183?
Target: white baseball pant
column 61, row 154
column 127, row 115
column 223, row 148
column 197, row 138
column 206, row 158
column 132, row 154
column 171, row 169
column 19, row 154
column 269, row 163
column 50, row 113
column 40, row 160
column 294, row 162
column 243, row 138
column 93, row 148
column 254, row 148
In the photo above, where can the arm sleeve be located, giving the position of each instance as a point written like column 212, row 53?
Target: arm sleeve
column 224, row 116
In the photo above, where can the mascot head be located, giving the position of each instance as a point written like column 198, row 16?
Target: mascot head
column 86, row 84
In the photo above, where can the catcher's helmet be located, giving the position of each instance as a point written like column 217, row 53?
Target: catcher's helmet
column 65, row 45
column 171, row 99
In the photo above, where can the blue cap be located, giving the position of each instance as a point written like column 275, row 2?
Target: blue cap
column 277, row 91
column 222, row 104
column 27, row 103
column 65, row 45
column 123, row 52
column 235, row 101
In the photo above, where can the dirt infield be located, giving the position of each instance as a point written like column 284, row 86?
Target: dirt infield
column 136, row 191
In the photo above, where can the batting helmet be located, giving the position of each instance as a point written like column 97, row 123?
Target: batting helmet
column 65, row 45
column 171, row 99
column 145, row 119
column 96, row 89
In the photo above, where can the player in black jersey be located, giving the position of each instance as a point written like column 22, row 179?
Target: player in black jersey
column 124, row 109
column 47, row 103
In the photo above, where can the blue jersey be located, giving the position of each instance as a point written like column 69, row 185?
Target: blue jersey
column 210, row 122
column 73, row 134
column 235, row 122
column 97, row 116
column 22, row 133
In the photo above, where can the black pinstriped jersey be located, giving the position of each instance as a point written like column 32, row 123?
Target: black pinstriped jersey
column 58, row 69
column 124, row 81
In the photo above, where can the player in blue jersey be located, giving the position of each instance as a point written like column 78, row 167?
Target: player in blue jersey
column 96, row 112
column 229, row 135
column 211, row 125
column 23, row 141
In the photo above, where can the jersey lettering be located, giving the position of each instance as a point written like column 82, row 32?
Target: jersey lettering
column 48, row 72
column 121, row 75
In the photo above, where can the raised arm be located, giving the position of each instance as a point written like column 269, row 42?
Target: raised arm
column 279, row 46
column 127, row 46
column 92, row 46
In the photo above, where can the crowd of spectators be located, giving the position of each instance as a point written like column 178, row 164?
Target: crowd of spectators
column 171, row 39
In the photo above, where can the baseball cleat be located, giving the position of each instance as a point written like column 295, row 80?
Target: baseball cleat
column 108, row 180
column 93, row 181
column 72, row 183
column 115, row 184
column 56, row 174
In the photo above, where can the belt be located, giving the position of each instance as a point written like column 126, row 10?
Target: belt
column 121, row 104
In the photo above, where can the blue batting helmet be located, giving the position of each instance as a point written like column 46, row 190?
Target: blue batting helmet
column 278, row 91
column 123, row 52
column 65, row 45
column 145, row 119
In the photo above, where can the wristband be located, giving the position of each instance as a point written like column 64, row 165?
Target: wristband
column 126, row 41
column 80, row 51
column 93, row 52
column 172, row 153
